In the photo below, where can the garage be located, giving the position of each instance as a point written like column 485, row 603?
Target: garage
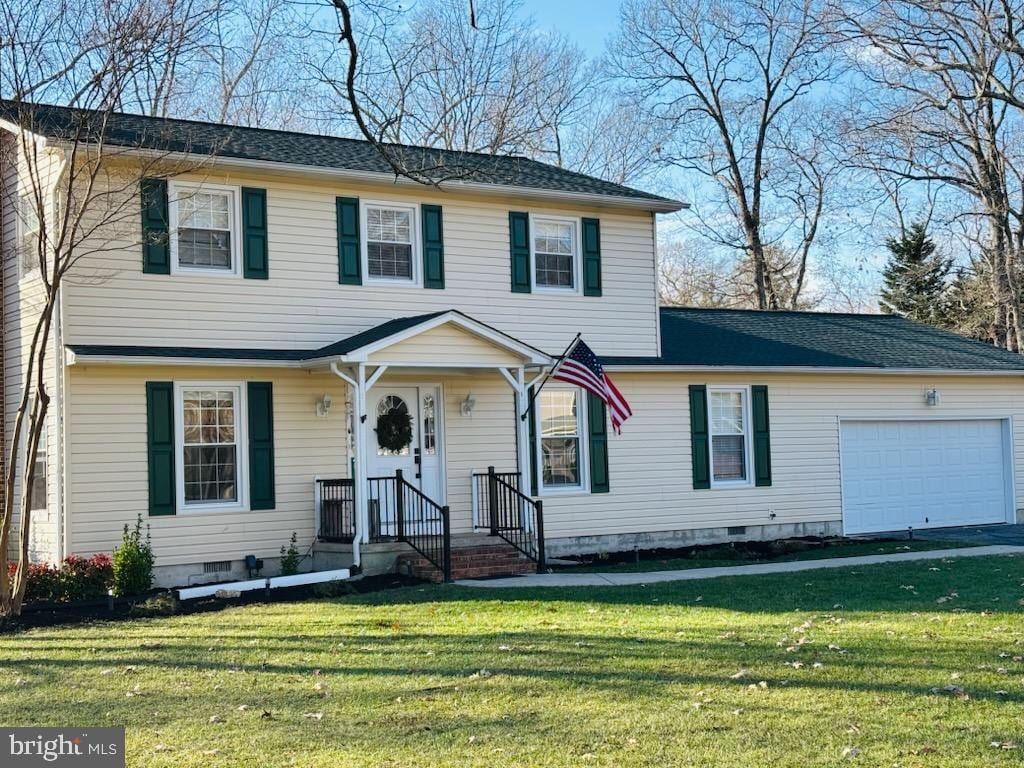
column 924, row 473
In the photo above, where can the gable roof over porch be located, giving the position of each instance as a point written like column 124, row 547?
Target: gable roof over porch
column 435, row 332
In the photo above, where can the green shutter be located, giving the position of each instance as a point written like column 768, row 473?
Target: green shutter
column 519, row 244
column 156, row 252
column 254, row 233
column 699, row 443
column 591, row 257
column 762, row 438
column 433, row 246
column 534, row 466
column 261, row 445
column 349, row 259
column 160, row 438
column 597, row 424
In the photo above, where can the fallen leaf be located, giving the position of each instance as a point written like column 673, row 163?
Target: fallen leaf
column 314, row 715
column 850, row 752
column 216, row 719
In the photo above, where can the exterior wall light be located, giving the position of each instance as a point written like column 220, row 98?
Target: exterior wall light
column 468, row 405
column 323, row 405
column 931, row 397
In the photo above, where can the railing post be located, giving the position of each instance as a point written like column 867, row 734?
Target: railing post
column 492, row 500
column 541, row 567
column 446, row 539
column 317, row 502
column 399, row 506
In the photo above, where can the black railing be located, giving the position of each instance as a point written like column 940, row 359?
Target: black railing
column 337, row 510
column 481, row 497
column 399, row 511
column 512, row 515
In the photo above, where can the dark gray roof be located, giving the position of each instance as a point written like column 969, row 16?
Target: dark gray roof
column 342, row 347
column 749, row 339
column 229, row 141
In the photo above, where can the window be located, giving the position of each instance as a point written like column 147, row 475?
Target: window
column 561, row 428
column 37, row 499
column 429, row 426
column 730, row 442
column 204, row 237
column 554, row 253
column 390, row 242
column 28, row 236
column 210, row 445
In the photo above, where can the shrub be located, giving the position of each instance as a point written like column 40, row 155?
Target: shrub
column 77, row 578
column 290, row 557
column 133, row 562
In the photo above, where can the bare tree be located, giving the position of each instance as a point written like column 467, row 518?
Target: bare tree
column 77, row 196
column 732, row 81
column 940, row 110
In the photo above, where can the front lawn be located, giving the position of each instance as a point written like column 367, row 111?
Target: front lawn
column 912, row 664
column 750, row 553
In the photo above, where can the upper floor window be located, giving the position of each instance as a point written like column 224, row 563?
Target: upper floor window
column 204, row 231
column 730, row 436
column 28, row 236
column 555, row 252
column 390, row 242
column 560, row 435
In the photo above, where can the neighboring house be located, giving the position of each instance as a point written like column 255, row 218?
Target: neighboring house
column 224, row 367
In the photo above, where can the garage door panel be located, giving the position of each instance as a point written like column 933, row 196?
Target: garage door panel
column 922, row 474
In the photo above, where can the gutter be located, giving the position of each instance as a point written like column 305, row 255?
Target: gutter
column 649, row 368
column 374, row 177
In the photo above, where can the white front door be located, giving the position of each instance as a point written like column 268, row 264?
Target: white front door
column 420, row 460
column 924, row 474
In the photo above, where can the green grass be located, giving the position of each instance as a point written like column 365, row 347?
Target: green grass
column 458, row 676
column 707, row 559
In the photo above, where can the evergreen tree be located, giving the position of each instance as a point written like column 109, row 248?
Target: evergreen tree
column 915, row 278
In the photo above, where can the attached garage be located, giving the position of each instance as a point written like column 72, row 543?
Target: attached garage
column 925, row 473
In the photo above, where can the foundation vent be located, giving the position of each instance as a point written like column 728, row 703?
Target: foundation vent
column 737, row 530
column 217, row 566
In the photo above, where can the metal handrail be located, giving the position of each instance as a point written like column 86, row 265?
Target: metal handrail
column 515, row 517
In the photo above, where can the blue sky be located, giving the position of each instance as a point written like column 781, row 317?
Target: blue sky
column 588, row 23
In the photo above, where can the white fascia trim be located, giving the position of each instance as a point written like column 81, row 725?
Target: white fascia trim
column 373, row 177
column 14, row 128
column 499, row 339
column 807, row 369
column 72, row 358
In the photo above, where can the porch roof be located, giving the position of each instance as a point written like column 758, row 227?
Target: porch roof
column 353, row 348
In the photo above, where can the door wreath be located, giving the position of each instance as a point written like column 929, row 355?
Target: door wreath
column 394, row 428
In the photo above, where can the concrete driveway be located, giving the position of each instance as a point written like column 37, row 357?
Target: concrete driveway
column 969, row 534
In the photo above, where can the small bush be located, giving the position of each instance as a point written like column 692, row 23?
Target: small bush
column 290, row 558
column 163, row 604
column 77, row 578
column 133, row 562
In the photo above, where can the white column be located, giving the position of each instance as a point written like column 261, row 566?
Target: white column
column 523, row 431
column 362, row 508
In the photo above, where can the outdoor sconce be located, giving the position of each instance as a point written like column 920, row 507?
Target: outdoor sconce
column 931, row 397
column 323, row 405
column 468, row 405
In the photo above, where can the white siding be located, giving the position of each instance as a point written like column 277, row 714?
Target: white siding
column 446, row 345
column 23, row 300
column 650, row 469
column 302, row 304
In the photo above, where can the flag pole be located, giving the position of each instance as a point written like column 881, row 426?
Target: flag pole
column 533, row 395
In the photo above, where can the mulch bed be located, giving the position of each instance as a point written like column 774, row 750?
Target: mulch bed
column 57, row 614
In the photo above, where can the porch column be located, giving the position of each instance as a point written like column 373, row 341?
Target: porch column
column 523, row 433
column 362, row 507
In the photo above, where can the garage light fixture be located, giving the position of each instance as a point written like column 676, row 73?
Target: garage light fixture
column 931, row 397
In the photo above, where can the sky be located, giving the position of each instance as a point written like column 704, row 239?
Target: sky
column 588, row 23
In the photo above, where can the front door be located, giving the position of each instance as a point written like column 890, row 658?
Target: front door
column 419, row 459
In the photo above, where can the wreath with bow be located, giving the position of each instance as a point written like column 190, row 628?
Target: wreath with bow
column 394, row 429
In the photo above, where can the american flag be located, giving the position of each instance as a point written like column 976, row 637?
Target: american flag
column 580, row 366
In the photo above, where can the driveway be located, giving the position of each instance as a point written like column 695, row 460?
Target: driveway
column 968, row 534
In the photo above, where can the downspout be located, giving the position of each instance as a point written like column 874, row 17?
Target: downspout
column 60, row 371
column 357, row 519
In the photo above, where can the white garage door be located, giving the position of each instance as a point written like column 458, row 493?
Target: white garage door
column 923, row 474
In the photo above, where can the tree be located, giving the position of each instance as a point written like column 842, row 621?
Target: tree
column 737, row 86
column 80, row 195
column 915, row 278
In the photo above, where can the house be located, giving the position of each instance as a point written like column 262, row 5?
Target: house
column 280, row 336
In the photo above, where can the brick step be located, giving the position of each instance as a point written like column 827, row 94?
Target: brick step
column 470, row 563
column 510, row 569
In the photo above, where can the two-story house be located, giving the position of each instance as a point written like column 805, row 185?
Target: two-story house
column 283, row 337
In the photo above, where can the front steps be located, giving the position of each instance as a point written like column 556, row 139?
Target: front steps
column 473, row 561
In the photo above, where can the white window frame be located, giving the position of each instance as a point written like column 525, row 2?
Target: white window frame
column 577, row 258
column 583, row 433
column 41, row 454
column 23, row 232
column 748, row 448
column 176, row 190
column 241, row 453
column 364, row 242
